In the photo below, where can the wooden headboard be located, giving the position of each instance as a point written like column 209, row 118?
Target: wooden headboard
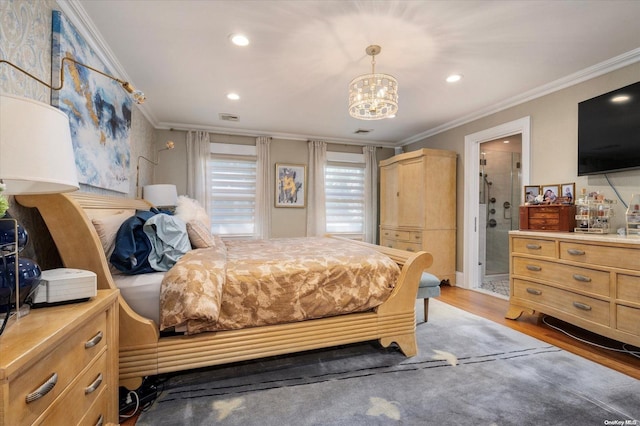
column 68, row 217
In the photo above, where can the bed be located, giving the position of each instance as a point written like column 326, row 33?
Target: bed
column 145, row 352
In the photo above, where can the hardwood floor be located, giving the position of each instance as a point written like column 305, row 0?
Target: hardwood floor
column 494, row 309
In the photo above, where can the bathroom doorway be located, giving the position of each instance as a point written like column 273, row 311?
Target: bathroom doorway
column 478, row 255
column 499, row 198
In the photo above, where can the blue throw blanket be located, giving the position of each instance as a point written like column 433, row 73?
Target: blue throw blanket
column 149, row 241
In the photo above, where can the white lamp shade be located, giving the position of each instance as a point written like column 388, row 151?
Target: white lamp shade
column 160, row 195
column 36, row 152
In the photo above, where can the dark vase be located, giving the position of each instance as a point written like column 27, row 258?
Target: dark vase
column 8, row 236
column 28, row 275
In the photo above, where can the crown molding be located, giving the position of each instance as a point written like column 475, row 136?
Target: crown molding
column 275, row 135
column 589, row 73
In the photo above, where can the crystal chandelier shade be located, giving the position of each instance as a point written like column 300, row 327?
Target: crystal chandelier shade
column 373, row 96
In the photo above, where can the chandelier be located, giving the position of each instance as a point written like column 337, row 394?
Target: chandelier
column 373, row 96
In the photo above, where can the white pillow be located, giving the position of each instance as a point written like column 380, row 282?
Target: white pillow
column 190, row 210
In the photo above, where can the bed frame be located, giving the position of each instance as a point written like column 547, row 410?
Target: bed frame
column 144, row 353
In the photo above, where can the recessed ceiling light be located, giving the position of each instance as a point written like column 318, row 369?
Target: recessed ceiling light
column 239, row 39
column 453, row 78
column 620, row 98
column 505, row 141
column 233, row 96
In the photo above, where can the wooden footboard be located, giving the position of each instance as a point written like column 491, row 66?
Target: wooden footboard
column 144, row 353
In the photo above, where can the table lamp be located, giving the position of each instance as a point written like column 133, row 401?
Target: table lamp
column 160, row 195
column 36, row 157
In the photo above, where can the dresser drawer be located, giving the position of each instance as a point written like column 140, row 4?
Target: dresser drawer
column 61, row 366
column 628, row 319
column 628, row 288
column 534, row 246
column 401, row 245
column 403, row 235
column 408, row 246
column 82, row 394
column 617, row 257
column 583, row 307
column 572, row 277
column 97, row 413
column 388, row 242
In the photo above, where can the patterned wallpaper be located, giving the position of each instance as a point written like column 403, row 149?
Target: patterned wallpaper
column 25, row 39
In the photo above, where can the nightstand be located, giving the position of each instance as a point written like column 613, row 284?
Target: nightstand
column 59, row 365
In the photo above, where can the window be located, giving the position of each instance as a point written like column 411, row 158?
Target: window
column 344, row 196
column 232, row 195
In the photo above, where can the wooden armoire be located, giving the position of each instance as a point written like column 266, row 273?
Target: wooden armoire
column 418, row 206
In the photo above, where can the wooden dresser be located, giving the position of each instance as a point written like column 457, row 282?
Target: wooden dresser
column 418, row 206
column 59, row 365
column 591, row 281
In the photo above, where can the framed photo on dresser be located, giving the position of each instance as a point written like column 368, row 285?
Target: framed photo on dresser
column 568, row 193
column 530, row 193
column 550, row 193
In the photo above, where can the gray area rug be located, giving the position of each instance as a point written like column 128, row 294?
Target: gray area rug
column 469, row 371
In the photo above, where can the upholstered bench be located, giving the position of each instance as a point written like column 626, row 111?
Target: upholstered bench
column 429, row 287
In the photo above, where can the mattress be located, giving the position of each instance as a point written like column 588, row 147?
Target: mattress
column 142, row 293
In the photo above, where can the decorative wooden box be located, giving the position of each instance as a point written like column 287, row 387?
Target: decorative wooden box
column 548, row 217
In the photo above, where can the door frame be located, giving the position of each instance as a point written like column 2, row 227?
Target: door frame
column 472, row 181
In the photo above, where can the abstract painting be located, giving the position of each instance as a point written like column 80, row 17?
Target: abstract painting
column 99, row 110
column 290, row 185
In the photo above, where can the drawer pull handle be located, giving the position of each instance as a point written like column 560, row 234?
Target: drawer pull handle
column 534, row 246
column 582, row 306
column 534, row 268
column 575, row 252
column 534, row 291
column 397, row 235
column 93, row 341
column 582, row 278
column 93, row 386
column 410, row 249
column 100, row 421
column 43, row 390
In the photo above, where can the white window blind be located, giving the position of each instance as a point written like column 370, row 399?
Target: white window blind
column 233, row 195
column 344, row 196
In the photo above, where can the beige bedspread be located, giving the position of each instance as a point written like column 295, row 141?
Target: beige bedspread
column 242, row 284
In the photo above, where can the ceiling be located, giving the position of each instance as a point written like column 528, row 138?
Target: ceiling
column 292, row 78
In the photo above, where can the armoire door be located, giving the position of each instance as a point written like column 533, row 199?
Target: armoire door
column 411, row 193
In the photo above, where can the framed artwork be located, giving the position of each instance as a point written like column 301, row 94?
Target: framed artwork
column 530, row 193
column 290, row 185
column 568, row 193
column 550, row 193
column 99, row 110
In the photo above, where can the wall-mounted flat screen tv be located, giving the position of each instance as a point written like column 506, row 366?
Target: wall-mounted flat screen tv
column 609, row 132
